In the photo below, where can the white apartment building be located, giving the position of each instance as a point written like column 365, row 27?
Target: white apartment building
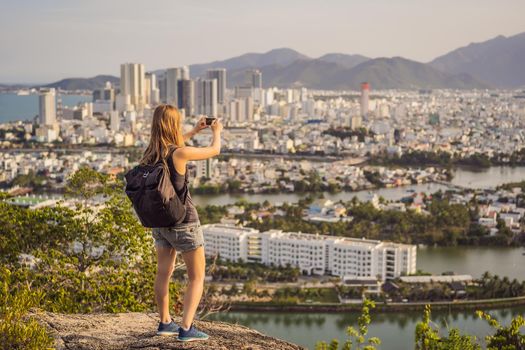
column 229, row 242
column 312, row 253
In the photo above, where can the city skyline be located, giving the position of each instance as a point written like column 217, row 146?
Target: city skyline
column 65, row 36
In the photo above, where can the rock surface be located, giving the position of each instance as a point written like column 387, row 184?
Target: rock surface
column 137, row 331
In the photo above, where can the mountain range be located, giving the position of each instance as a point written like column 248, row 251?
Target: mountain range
column 499, row 61
column 93, row 83
column 496, row 63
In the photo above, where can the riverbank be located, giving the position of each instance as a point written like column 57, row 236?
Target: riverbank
column 396, row 329
column 383, row 307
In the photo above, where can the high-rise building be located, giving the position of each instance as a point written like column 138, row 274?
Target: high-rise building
column 154, row 89
column 254, row 78
column 185, row 72
column 356, row 122
column 186, row 96
column 365, row 89
column 147, row 89
column 47, row 107
column 240, row 110
column 132, row 83
column 204, row 168
column 105, row 94
column 114, row 120
column 206, row 96
column 243, row 92
column 173, row 75
column 220, row 75
column 162, row 89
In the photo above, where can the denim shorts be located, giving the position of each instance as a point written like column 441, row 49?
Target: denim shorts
column 183, row 237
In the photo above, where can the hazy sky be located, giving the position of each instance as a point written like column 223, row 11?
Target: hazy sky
column 46, row 40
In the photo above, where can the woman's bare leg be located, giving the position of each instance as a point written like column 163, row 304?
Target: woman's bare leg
column 165, row 266
column 195, row 264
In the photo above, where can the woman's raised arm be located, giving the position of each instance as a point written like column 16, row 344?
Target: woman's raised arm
column 200, row 153
column 201, row 125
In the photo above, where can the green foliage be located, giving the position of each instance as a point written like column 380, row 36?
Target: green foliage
column 238, row 271
column 416, row 158
column 230, row 186
column 428, row 338
column 17, row 330
column 509, row 186
column 448, row 224
column 374, row 178
column 211, row 214
column 87, row 183
column 505, row 338
column 486, row 287
column 91, row 256
column 357, row 337
column 297, row 294
column 492, row 286
column 344, row 133
column 31, row 179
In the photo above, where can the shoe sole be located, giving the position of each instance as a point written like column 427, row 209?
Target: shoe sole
column 192, row 339
column 165, row 334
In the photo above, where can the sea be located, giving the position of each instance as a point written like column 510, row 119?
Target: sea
column 15, row 107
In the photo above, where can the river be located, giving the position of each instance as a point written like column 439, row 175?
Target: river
column 485, row 179
column 395, row 329
column 502, row 261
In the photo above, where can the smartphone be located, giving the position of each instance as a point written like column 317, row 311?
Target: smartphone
column 210, row 120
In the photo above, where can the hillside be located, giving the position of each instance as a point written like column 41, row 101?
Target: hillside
column 96, row 82
column 306, row 72
column 282, row 56
column 499, row 62
column 137, row 331
column 398, row 72
column 382, row 73
column 344, row 60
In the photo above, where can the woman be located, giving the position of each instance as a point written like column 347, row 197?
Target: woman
column 167, row 145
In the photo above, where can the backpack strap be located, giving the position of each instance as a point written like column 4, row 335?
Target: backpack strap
column 169, row 158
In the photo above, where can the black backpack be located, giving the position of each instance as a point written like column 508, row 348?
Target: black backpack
column 153, row 195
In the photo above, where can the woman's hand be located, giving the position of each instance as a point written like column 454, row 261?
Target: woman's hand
column 201, row 124
column 216, row 126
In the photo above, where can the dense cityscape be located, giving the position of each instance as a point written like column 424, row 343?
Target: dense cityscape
column 351, row 197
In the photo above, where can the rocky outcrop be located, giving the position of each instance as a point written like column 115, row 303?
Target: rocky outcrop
column 137, row 331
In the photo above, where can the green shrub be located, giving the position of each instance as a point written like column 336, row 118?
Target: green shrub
column 428, row 338
column 17, row 329
column 506, row 338
column 357, row 338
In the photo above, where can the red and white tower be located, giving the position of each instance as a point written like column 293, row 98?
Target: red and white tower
column 365, row 89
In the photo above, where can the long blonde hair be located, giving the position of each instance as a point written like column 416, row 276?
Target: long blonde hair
column 166, row 132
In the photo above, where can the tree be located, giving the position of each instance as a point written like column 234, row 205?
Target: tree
column 428, row 338
column 90, row 254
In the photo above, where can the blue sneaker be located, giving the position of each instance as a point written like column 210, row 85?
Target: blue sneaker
column 191, row 334
column 168, row 328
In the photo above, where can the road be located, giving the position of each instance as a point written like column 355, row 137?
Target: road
column 120, row 150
